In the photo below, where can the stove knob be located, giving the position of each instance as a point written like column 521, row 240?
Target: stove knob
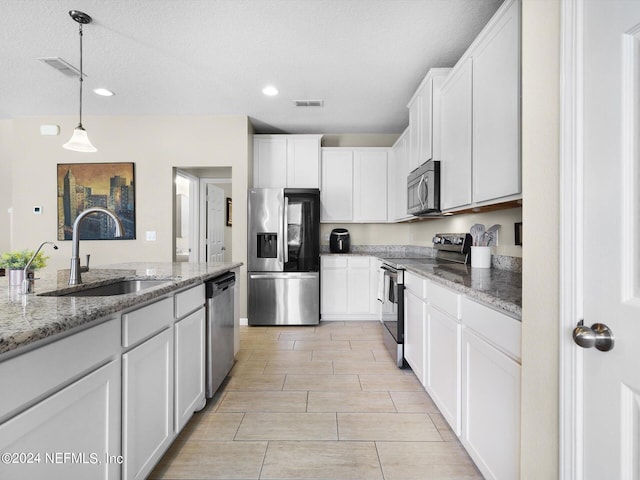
column 436, row 240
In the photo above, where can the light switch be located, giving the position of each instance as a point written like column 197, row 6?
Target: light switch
column 151, row 236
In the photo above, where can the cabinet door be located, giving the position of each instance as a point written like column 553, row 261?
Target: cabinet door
column 147, row 404
column 359, row 285
column 189, row 367
column 415, row 321
column 336, row 195
column 496, row 110
column 82, row 419
column 455, row 167
column 303, row 162
column 415, row 122
column 491, row 427
column 334, row 285
column 398, row 171
column 444, row 365
column 370, row 185
column 269, row 162
column 426, row 112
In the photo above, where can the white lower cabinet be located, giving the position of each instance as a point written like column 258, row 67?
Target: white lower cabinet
column 347, row 288
column 443, row 360
column 147, row 404
column 491, row 392
column 73, row 434
column 467, row 357
column 189, row 367
column 415, row 331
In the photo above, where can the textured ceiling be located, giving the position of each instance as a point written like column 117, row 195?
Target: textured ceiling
column 364, row 58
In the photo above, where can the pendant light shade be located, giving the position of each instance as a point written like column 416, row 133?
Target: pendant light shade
column 79, row 141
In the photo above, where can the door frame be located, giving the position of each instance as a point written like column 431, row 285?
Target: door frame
column 571, row 229
column 194, row 226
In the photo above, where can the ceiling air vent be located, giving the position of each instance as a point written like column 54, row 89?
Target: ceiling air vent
column 62, row 66
column 309, row 103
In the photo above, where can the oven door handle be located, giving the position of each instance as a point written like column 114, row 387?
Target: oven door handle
column 389, row 270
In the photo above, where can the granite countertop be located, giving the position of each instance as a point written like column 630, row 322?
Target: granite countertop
column 498, row 288
column 25, row 319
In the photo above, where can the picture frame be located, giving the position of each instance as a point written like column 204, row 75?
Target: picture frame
column 86, row 185
column 229, row 212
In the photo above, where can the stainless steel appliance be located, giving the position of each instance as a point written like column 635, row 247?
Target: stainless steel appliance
column 423, row 190
column 451, row 250
column 391, row 294
column 284, row 256
column 219, row 330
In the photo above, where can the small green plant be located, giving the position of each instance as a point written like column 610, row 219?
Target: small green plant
column 19, row 258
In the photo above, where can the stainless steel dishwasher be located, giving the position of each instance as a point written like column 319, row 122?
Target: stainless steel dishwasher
column 220, row 317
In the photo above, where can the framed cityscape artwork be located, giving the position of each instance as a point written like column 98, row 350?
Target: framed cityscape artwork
column 86, row 185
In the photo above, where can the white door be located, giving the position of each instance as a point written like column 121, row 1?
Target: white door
column 215, row 223
column 610, row 392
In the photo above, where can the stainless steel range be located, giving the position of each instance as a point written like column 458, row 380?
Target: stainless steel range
column 450, row 247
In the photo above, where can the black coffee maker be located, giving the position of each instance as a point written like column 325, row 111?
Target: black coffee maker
column 339, row 240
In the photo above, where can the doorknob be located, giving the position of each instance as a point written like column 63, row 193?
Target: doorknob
column 598, row 335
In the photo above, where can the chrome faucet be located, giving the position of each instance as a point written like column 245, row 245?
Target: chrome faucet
column 27, row 283
column 74, row 271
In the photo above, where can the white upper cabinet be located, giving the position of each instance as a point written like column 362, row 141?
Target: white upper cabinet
column 455, row 166
column 336, row 195
column 496, row 109
column 281, row 161
column 370, row 185
column 398, row 171
column 354, row 185
column 424, row 119
column 480, row 117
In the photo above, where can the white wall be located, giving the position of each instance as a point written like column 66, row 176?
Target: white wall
column 6, row 132
column 155, row 144
column 540, row 297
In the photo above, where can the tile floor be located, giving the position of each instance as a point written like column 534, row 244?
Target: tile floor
column 323, row 402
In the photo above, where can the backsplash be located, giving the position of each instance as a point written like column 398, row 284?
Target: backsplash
column 500, row 262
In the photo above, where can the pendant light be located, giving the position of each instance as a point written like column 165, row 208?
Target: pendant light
column 80, row 140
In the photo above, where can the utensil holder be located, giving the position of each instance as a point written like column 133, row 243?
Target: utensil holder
column 481, row 257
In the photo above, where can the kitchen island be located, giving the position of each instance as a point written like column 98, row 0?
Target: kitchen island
column 100, row 386
column 27, row 319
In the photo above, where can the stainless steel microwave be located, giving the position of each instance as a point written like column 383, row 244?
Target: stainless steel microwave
column 423, row 190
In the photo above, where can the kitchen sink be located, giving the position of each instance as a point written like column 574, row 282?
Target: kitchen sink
column 121, row 287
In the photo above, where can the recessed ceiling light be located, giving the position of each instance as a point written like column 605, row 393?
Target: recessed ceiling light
column 270, row 90
column 103, row 92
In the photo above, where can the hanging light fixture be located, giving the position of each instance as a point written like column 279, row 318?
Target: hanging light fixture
column 80, row 140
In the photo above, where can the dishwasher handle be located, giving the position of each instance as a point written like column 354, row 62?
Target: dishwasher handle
column 220, row 284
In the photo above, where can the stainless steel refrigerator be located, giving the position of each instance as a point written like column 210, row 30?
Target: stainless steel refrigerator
column 284, row 256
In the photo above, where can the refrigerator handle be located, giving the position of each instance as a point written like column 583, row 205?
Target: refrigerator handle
column 285, row 234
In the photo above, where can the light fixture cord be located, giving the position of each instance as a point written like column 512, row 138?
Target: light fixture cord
column 81, row 79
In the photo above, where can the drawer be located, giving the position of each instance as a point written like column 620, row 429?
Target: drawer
column 416, row 284
column 144, row 322
column 189, row 300
column 334, row 262
column 45, row 369
column 497, row 328
column 444, row 300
